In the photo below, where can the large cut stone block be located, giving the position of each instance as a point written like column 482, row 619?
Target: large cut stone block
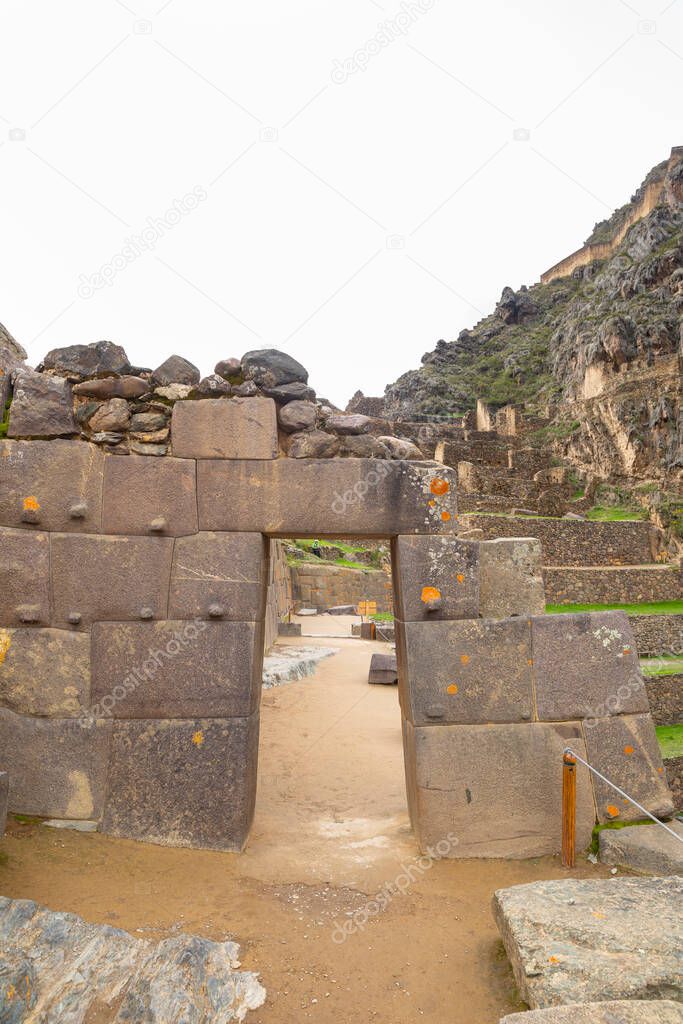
column 44, row 672
column 511, row 581
column 55, row 485
column 24, row 578
column 225, row 428
column 586, row 666
column 176, row 669
column 219, row 575
column 41, row 406
column 183, row 782
column 615, row 1011
column 466, row 670
column 624, row 748
column 574, row 941
column 436, row 578
column 109, row 578
column 496, row 788
column 333, row 497
column 143, row 495
column 57, row 766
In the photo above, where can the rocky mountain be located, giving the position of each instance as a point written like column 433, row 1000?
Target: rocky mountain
column 595, row 345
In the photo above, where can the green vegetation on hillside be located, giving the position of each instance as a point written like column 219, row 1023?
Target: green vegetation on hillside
column 667, row 665
column 614, row 514
column 670, row 739
column 645, row 608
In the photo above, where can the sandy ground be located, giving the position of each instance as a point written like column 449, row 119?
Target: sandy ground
column 331, row 829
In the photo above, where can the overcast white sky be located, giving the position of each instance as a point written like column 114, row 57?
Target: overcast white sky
column 365, row 175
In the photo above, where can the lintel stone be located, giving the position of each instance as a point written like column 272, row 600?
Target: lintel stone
column 333, row 497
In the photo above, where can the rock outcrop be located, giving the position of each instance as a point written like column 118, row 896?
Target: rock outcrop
column 600, row 346
column 56, row 966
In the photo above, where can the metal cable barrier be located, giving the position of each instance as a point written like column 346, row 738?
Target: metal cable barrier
column 569, row 759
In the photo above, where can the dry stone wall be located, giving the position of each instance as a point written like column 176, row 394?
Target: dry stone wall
column 324, row 586
column 573, row 542
column 612, row 585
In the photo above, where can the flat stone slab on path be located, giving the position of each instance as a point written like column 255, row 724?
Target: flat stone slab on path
column 578, row 941
column 645, row 848
column 286, row 663
column 383, row 669
column 621, row 1011
column 57, row 967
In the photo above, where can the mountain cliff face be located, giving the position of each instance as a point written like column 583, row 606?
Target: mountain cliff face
column 598, row 348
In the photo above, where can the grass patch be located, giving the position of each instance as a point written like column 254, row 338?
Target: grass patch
column 670, row 739
column 667, row 665
column 615, row 514
column 597, row 829
column 4, row 422
column 383, row 617
column 645, row 608
column 347, row 563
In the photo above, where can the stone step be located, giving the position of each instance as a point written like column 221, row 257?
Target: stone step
column 644, row 848
column 583, row 941
column 621, row 1011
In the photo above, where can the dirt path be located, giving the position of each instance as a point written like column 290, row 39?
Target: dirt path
column 331, row 829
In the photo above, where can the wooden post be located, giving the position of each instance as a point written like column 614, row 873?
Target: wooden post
column 568, row 811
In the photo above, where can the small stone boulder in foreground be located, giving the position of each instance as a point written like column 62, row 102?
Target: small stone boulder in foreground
column 578, row 941
column 621, row 1011
column 57, row 967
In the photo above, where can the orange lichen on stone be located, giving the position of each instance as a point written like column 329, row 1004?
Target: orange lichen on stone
column 445, row 516
column 628, row 750
column 627, row 650
column 198, row 738
column 431, row 503
column 529, row 661
column 439, row 486
column 464, row 658
column 660, row 770
column 452, row 688
column 430, row 594
column 460, row 577
column 5, row 641
column 31, row 503
column 553, row 959
column 613, row 810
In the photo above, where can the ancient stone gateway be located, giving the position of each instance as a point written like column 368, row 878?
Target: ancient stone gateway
column 132, row 603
